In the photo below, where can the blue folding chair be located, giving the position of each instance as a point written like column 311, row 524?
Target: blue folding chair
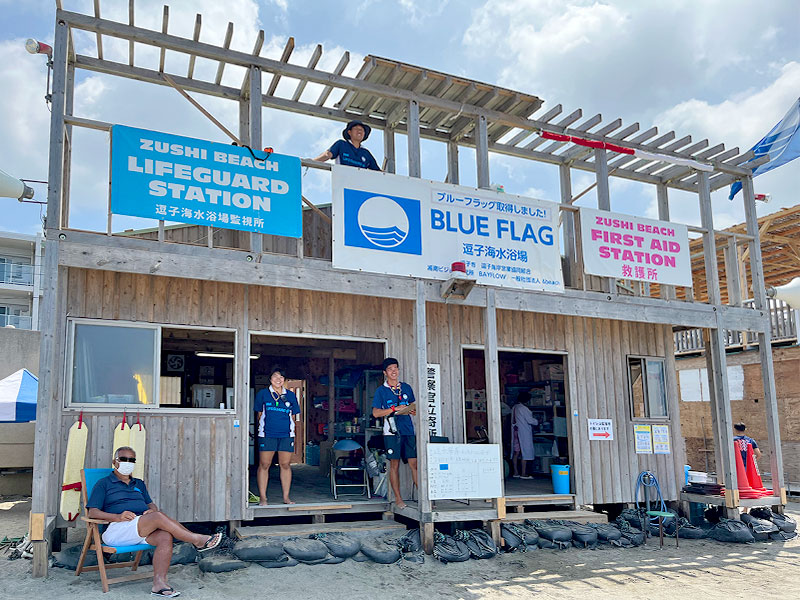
column 93, row 541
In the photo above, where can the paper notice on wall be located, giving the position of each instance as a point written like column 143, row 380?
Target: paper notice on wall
column 661, row 439
column 643, row 437
column 601, row 429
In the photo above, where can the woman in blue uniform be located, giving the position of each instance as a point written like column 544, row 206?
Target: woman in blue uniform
column 275, row 417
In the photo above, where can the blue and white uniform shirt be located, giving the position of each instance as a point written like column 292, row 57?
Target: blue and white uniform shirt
column 386, row 397
column 277, row 412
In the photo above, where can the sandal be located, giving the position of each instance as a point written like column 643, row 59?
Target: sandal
column 211, row 543
column 166, row 592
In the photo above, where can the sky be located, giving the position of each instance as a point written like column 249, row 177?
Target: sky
column 726, row 70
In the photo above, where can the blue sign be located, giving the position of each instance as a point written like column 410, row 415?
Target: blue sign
column 173, row 178
column 382, row 222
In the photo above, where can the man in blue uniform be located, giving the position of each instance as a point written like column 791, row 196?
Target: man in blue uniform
column 394, row 402
column 135, row 519
column 742, row 440
column 349, row 151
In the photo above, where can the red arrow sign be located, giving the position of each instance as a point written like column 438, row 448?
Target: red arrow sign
column 605, row 434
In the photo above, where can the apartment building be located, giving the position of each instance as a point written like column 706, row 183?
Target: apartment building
column 20, row 279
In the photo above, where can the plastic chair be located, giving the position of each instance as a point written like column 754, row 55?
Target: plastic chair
column 347, row 466
column 93, row 541
column 661, row 515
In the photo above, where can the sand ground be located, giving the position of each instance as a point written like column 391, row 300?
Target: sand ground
column 703, row 569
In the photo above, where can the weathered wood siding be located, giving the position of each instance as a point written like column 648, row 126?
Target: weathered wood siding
column 597, row 387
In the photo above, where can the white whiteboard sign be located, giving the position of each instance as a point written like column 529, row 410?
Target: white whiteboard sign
column 626, row 247
column 385, row 223
column 601, row 429
column 462, row 471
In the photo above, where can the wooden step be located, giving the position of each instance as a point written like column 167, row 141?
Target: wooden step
column 581, row 516
column 356, row 528
column 540, row 500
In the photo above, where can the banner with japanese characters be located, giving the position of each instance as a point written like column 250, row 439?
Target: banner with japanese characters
column 173, row 178
column 385, row 223
column 626, row 247
column 433, row 399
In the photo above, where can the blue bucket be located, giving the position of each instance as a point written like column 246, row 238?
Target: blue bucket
column 686, row 469
column 560, row 475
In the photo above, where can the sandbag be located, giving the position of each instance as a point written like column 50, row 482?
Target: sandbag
column 553, row 545
column 513, row 537
column 583, row 536
column 259, row 549
column 607, row 533
column 728, row 530
column 635, row 518
column 761, row 528
column 630, row 534
column 305, row 550
column 550, row 531
column 447, row 549
column 220, row 563
column 479, row 543
column 286, row 561
column 410, row 541
column 784, row 522
column 377, row 550
column 68, row 557
column 338, row 543
column 530, row 535
column 182, row 554
column 360, row 557
column 782, row 536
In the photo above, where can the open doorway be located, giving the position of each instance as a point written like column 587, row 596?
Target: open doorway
column 334, row 381
column 538, row 380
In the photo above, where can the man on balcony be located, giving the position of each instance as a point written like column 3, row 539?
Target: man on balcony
column 349, row 151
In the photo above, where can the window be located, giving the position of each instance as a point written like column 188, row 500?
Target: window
column 648, row 389
column 134, row 364
column 113, row 364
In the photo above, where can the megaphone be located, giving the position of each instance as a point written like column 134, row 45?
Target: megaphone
column 789, row 293
column 11, row 187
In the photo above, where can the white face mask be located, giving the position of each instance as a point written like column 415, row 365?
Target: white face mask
column 126, row 468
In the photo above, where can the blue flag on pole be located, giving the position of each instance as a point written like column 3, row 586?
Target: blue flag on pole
column 782, row 144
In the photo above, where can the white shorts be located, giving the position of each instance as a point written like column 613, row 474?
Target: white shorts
column 123, row 533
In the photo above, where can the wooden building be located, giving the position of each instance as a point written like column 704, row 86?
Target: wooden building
column 243, row 294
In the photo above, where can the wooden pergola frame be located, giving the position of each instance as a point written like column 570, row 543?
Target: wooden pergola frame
column 397, row 98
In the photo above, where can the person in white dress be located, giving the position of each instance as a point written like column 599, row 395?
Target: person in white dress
column 522, row 424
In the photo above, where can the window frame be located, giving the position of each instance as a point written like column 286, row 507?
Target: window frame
column 68, row 404
column 644, row 358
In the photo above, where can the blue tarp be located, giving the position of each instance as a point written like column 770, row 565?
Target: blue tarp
column 18, row 394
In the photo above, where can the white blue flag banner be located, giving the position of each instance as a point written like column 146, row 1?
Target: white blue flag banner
column 782, row 144
column 385, row 223
column 174, row 178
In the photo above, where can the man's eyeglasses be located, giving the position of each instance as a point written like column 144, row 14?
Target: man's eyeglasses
column 129, row 459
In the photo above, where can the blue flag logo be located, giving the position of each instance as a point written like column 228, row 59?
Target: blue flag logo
column 782, row 144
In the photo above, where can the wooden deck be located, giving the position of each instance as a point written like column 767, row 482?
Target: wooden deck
column 581, row 516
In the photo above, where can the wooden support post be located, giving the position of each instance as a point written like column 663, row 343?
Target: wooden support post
column 389, row 151
column 494, row 530
column 492, row 368
column 423, row 437
column 604, row 199
column 715, row 347
column 55, row 177
column 662, row 195
column 571, row 242
column 764, row 339
column 426, row 533
column 41, row 555
column 254, row 112
column 732, row 272
column 69, row 95
column 331, row 397
column 482, row 151
column 319, row 518
column 414, row 160
column 452, row 162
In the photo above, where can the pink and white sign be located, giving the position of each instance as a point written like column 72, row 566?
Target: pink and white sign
column 627, row 247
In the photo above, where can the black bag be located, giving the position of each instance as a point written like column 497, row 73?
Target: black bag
column 377, row 550
column 410, row 541
column 513, row 537
column 286, row 561
column 338, row 543
column 728, row 530
column 583, row 536
column 607, row 533
column 784, row 522
column 448, row 549
column 258, row 549
column 305, row 550
column 551, row 531
column 635, row 518
column 761, row 528
column 479, row 543
column 553, row 545
column 220, row 563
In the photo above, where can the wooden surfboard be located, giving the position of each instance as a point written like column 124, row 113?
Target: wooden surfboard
column 137, row 440
column 73, row 463
column 122, row 435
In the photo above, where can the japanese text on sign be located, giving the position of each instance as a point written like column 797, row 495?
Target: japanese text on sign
column 433, row 400
column 173, row 178
column 601, row 429
column 626, row 247
column 642, row 435
column 661, row 439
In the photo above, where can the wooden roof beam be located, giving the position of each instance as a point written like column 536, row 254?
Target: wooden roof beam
column 629, row 130
column 226, row 45
column 585, row 126
column 198, row 23
column 164, row 24
column 546, row 117
column 130, row 42
column 369, row 65
column 464, row 125
column 461, row 97
column 396, row 74
column 99, row 35
column 256, row 51
column 285, row 55
column 312, row 63
column 337, row 71
column 581, row 151
column 563, row 123
column 625, row 159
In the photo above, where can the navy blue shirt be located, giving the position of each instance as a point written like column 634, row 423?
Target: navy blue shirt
column 353, row 157
column 387, row 397
column 112, row 495
column 276, row 413
column 742, row 441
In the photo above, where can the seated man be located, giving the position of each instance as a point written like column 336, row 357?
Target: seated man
column 135, row 519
